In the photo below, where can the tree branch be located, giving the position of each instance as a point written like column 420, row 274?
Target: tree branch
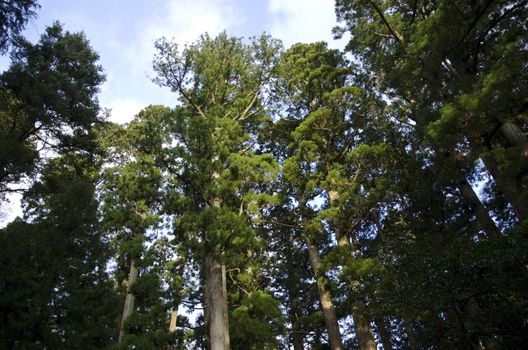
column 394, row 32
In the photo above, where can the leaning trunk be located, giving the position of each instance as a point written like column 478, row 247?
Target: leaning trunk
column 482, row 215
column 508, row 186
column 129, row 299
column 384, row 333
column 334, row 335
column 481, row 212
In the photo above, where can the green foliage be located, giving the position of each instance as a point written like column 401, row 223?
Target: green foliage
column 257, row 322
column 13, row 18
column 48, row 97
column 266, row 154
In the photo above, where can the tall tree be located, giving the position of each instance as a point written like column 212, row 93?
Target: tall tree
column 457, row 70
column 221, row 82
column 56, row 292
column 132, row 192
column 49, row 101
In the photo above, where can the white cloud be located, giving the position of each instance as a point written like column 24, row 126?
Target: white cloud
column 123, row 110
column 181, row 20
column 128, row 87
column 304, row 21
column 10, row 208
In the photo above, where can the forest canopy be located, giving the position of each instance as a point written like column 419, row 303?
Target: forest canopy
column 295, row 197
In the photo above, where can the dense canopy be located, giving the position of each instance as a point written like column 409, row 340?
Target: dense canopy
column 300, row 197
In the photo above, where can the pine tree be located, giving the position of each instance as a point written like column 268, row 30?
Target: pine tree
column 221, row 82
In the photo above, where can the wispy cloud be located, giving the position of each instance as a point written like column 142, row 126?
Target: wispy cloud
column 296, row 20
column 128, row 82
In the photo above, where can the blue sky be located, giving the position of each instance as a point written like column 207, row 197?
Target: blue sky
column 123, row 33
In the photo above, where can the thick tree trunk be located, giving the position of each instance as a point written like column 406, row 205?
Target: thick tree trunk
column 508, row 187
column 514, row 137
column 482, row 215
column 216, row 317
column 334, row 334
column 363, row 331
column 216, row 303
column 173, row 319
column 128, row 308
column 507, row 183
column 481, row 212
column 384, row 333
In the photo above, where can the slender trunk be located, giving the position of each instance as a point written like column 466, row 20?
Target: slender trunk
column 329, row 313
column 294, row 314
column 177, row 295
column 297, row 333
column 216, row 303
column 173, row 319
column 129, row 299
column 384, row 333
column 334, row 334
column 361, row 323
column 481, row 212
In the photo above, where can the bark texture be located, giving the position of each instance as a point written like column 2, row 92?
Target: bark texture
column 334, row 334
column 508, row 186
column 481, row 212
column 128, row 307
column 216, row 303
column 384, row 333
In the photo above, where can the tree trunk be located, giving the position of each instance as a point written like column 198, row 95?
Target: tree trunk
column 482, row 216
column 129, row 299
column 177, row 295
column 514, row 137
column 297, row 338
column 173, row 319
column 411, row 338
column 472, row 309
column 216, row 303
column 384, row 333
column 297, row 335
column 361, row 323
column 481, row 212
column 334, row 334
column 216, row 317
column 363, row 331
column 507, row 183
column 508, row 187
